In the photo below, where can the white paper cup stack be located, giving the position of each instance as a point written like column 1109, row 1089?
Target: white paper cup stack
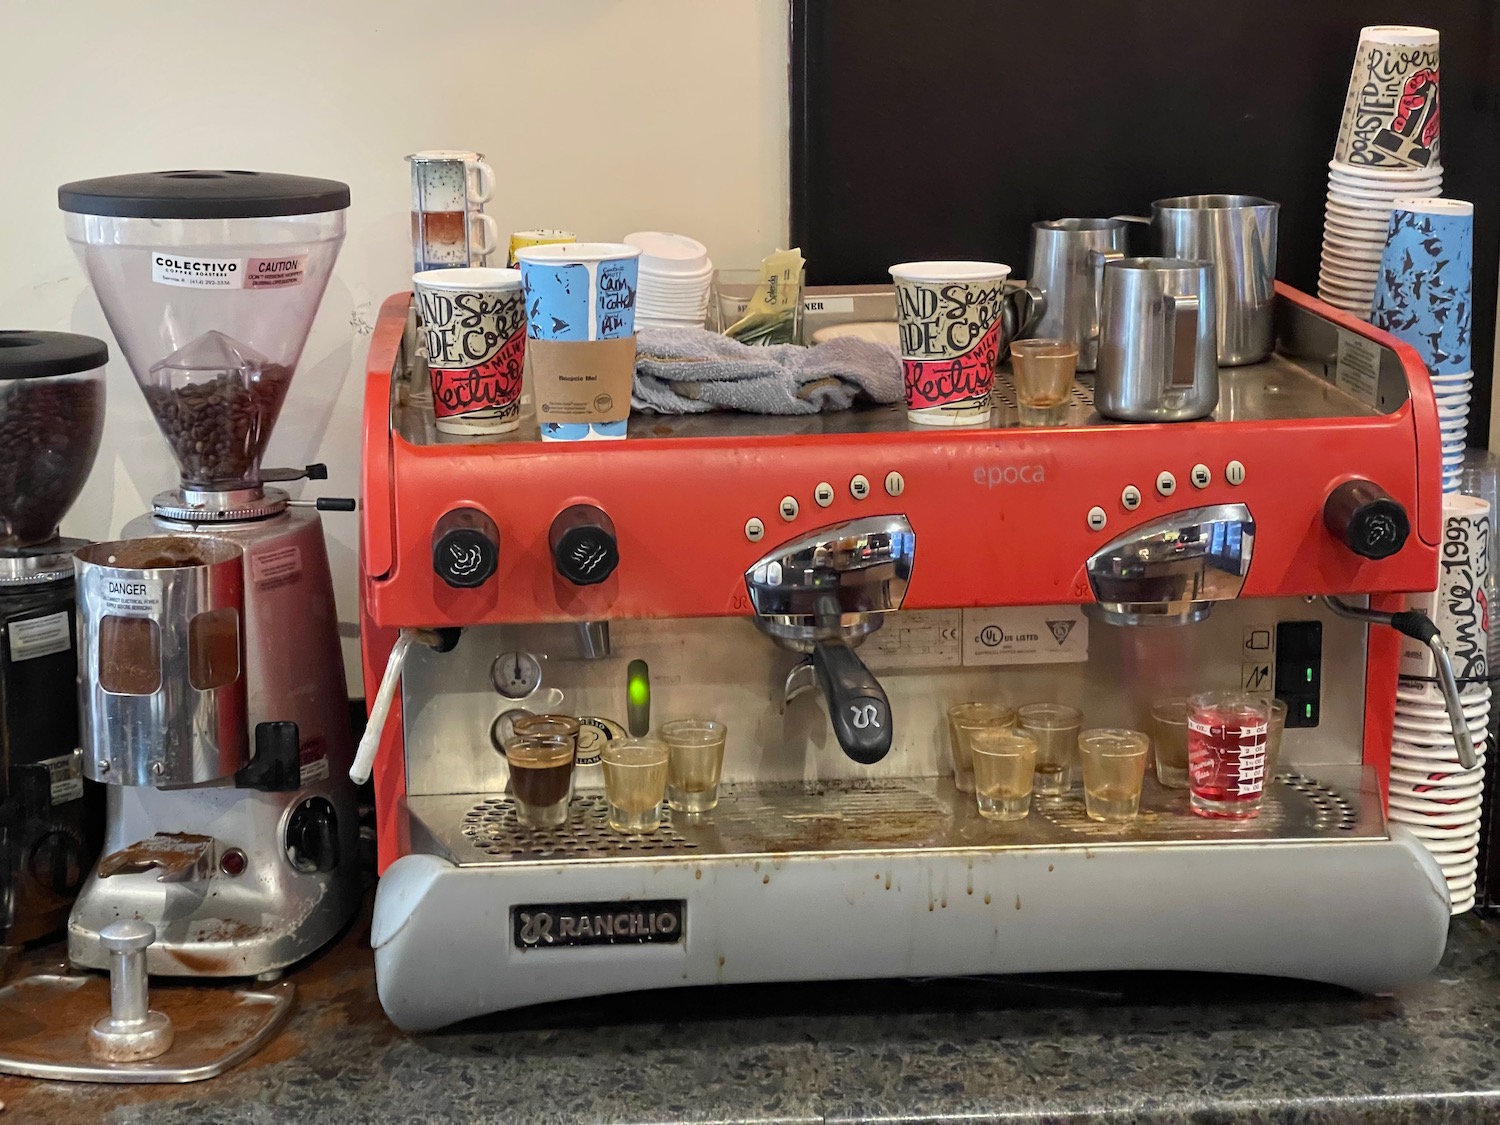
column 1431, row 793
column 1387, row 147
column 676, row 274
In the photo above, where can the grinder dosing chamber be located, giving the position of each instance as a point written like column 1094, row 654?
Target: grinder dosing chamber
column 162, row 684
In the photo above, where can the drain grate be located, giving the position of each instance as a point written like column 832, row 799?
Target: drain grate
column 1005, row 391
column 493, row 828
column 1293, row 806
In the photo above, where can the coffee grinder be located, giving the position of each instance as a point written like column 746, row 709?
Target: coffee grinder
column 222, row 734
column 51, row 417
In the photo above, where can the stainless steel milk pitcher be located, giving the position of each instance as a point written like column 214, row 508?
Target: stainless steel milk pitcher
column 1067, row 264
column 1237, row 233
column 1157, row 341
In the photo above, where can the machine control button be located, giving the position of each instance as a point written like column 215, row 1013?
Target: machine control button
column 1097, row 518
column 823, row 494
column 789, row 508
column 1367, row 519
column 1166, row 483
column 584, row 548
column 1234, row 472
column 895, row 483
column 1201, row 476
column 755, row 531
column 1131, row 498
column 465, row 548
column 859, row 486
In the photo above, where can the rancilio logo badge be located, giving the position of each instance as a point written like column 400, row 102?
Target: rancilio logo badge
column 559, row 925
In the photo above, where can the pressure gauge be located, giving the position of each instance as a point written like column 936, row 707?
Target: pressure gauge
column 516, row 674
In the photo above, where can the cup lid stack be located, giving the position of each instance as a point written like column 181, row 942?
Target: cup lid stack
column 675, row 277
column 1387, row 147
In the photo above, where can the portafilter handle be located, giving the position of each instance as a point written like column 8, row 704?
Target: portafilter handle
column 1419, row 627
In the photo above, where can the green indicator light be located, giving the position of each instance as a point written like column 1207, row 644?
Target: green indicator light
column 1307, row 710
column 638, row 698
column 1309, row 675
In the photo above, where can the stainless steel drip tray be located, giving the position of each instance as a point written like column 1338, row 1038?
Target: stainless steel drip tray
column 887, row 816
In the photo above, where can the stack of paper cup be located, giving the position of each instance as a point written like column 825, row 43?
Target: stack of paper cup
column 1387, row 147
column 675, row 277
column 1425, row 297
column 1431, row 793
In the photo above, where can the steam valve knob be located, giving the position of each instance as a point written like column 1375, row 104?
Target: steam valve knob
column 465, row 548
column 584, row 548
column 1367, row 519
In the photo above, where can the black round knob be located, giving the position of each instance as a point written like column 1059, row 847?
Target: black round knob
column 465, row 548
column 1367, row 519
column 312, row 836
column 583, row 545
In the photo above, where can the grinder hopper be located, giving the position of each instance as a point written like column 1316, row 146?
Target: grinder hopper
column 209, row 281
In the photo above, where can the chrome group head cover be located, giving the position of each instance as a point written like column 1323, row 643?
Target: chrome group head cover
column 1172, row 570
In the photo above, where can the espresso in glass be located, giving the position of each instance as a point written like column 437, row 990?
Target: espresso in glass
column 541, row 774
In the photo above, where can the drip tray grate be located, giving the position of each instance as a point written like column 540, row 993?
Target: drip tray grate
column 1292, row 805
column 888, row 815
column 494, row 828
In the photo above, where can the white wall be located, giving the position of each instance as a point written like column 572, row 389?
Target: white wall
column 601, row 116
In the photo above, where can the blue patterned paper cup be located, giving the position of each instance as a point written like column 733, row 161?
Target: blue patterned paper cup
column 580, row 290
column 1424, row 293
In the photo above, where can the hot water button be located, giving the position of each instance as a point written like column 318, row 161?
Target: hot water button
column 584, row 549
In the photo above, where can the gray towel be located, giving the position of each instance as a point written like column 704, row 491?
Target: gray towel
column 691, row 371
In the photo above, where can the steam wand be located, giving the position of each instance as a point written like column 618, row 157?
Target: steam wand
column 1418, row 627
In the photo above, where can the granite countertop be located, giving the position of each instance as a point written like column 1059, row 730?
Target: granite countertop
column 1112, row 1048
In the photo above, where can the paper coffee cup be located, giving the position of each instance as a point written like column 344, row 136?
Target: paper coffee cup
column 580, row 320
column 474, row 322
column 524, row 238
column 1425, row 291
column 1391, row 110
column 1459, row 606
column 951, row 319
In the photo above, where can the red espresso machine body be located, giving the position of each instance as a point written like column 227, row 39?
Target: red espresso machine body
column 1002, row 517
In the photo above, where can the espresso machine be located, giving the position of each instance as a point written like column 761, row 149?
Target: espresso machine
column 211, row 679
column 51, row 819
column 827, row 587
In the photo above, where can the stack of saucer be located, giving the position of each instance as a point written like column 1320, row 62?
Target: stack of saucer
column 1360, row 202
column 1431, row 793
column 1387, row 146
column 674, row 280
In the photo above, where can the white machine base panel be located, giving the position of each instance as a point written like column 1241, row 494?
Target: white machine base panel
column 896, row 878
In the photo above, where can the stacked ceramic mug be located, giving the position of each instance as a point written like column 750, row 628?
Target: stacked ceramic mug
column 1424, row 297
column 1431, row 792
column 1387, row 147
column 676, row 274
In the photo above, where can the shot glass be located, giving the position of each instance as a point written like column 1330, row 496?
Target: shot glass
column 1114, row 768
column 1003, row 763
column 963, row 720
column 696, row 758
column 1043, row 373
column 1055, row 727
column 1169, row 737
column 635, row 783
column 541, row 777
column 1227, row 753
column 1275, row 728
